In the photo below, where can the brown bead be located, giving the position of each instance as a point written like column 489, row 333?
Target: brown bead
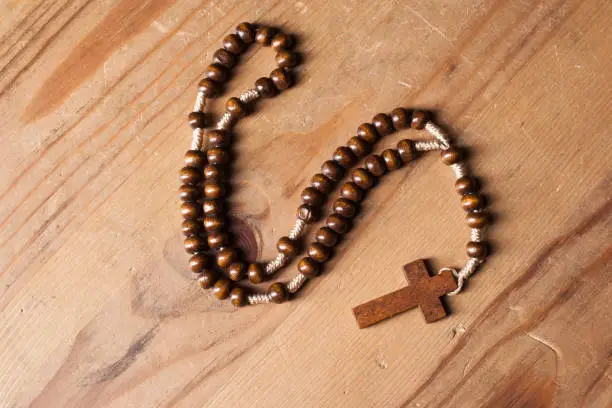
column 225, row 58
column 363, row 178
column 197, row 120
column 236, row 271
column 246, row 32
column 226, row 256
column 318, row 252
column 286, row 246
column 211, row 207
column 209, row 88
column 281, row 79
column 238, row 297
column 312, row 196
column 345, row 208
column 235, row 107
column 255, row 273
column 218, row 156
column 217, row 239
column 419, row 120
column 218, row 138
column 198, row 262
column 233, row 44
column 207, row 278
column 368, row 133
column 282, row 41
column 189, row 193
column 213, row 223
column 478, row 220
column 476, row 249
column 392, row 159
column 213, row 172
column 216, row 72
column 350, row 191
column 264, row 35
column 472, row 202
column 406, row 150
column 358, row 146
column 450, row 156
column 322, row 183
column 327, row 237
column 383, row 124
column 278, row 293
column 265, row 87
column 191, row 210
column 465, row 185
column 194, row 244
column 190, row 175
column 344, row 157
column 222, row 288
column 375, row 165
column 332, row 170
column 213, row 189
column 191, row 227
column 337, row 223
column 286, row 59
column 195, row 158
column 306, row 213
column 400, row 118
column 307, row 266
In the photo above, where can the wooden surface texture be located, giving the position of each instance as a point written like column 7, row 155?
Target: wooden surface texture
column 97, row 308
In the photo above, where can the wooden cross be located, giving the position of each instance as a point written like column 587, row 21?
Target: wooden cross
column 423, row 291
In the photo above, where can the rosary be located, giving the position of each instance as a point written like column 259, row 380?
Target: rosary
column 218, row 265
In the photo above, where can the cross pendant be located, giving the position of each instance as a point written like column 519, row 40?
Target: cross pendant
column 423, row 291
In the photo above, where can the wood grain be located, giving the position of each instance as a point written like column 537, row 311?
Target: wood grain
column 97, row 307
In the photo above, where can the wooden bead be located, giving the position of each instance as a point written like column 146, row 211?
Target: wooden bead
column 367, row 132
column 332, row 170
column 213, row 189
column 286, row 59
column 419, row 120
column 306, row 213
column 190, row 175
column 322, row 183
column 282, row 41
column 344, row 157
column 222, row 288
column 264, row 35
column 476, row 250
column 450, row 156
column 327, row 237
column 213, row 172
column 286, row 246
column 337, row 223
column 265, row 87
column 363, row 178
column 191, row 227
column 312, row 196
column 197, row 120
column 280, row 78
column 211, row 206
column 217, row 239
column 198, row 262
column 392, row 159
column 232, row 43
column 207, row 278
column 255, row 273
column 189, row 193
column 238, row 297
column 345, row 208
column 246, row 32
column 218, row 138
column 213, row 223
column 465, row 185
column 278, row 293
column 350, row 191
column 226, row 256
column 236, row 271
column 190, row 210
column 400, row 118
column 318, row 252
column 406, row 150
column 383, row 124
column 235, row 107
column 195, row 158
column 194, row 244
column 472, row 202
column 218, row 156
column 216, row 72
column 209, row 88
column 225, row 58
column 358, row 146
column 375, row 165
column 478, row 220
column 308, row 267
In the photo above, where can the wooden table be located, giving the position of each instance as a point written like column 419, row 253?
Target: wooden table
column 97, row 307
